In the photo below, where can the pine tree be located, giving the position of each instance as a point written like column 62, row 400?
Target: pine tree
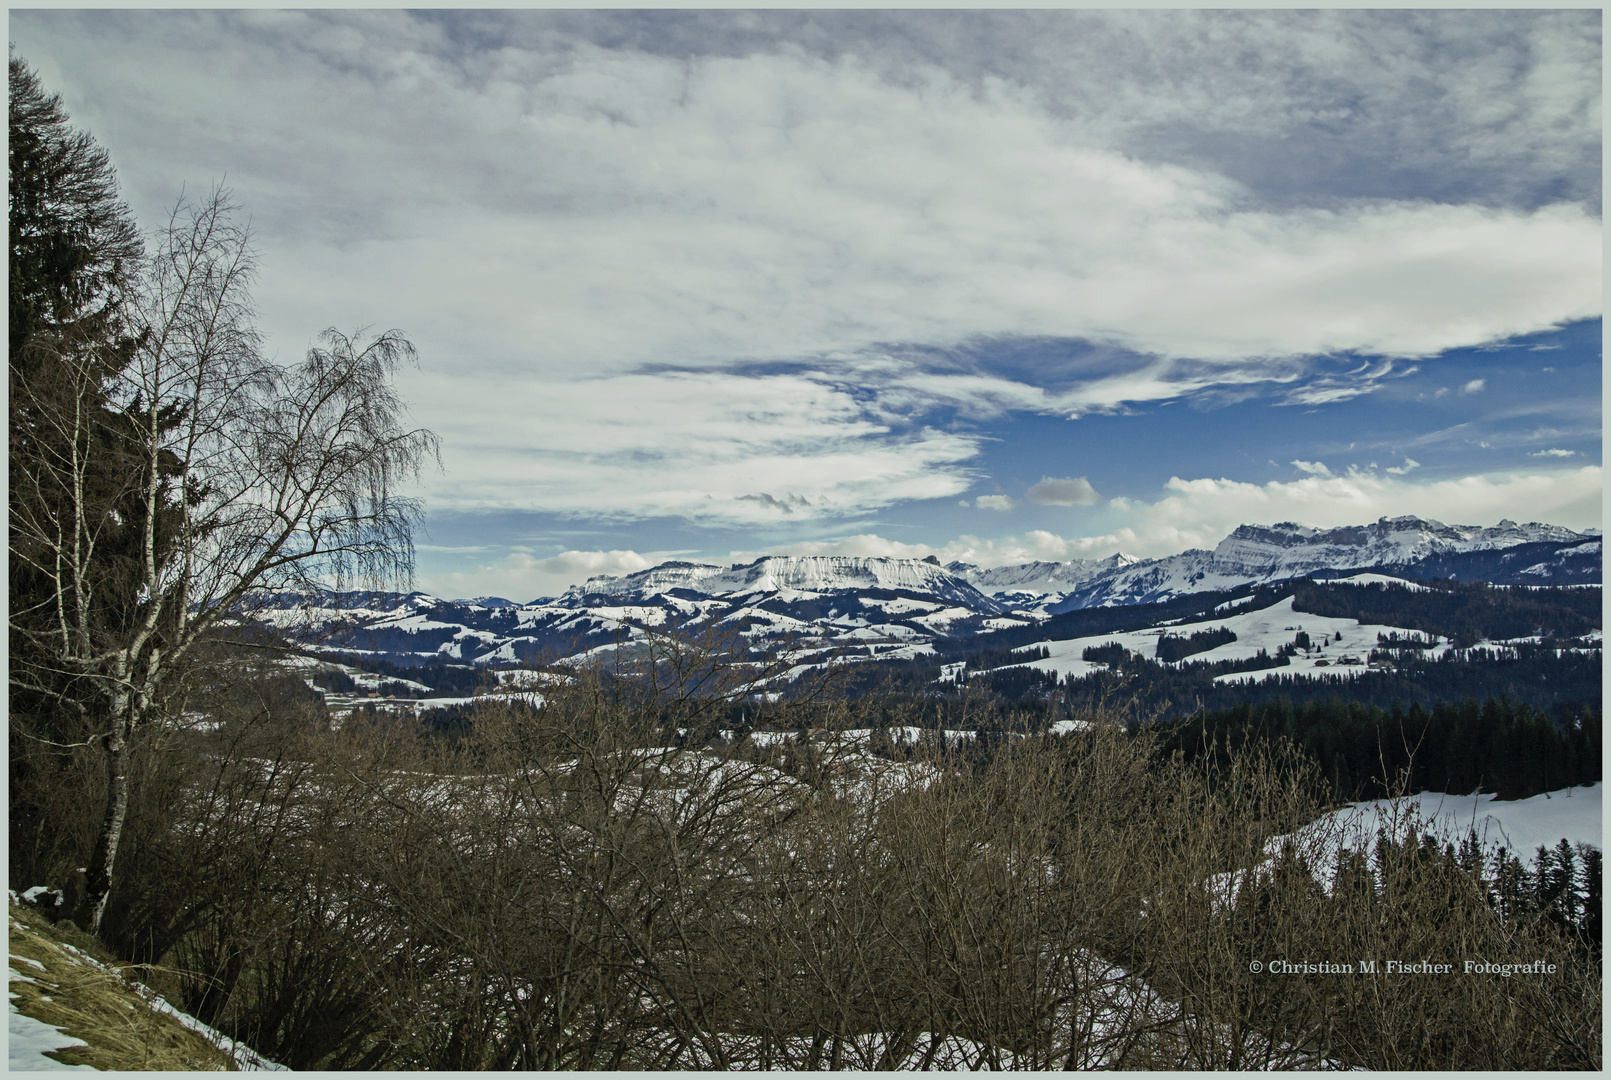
column 74, row 249
column 73, row 242
column 1589, row 884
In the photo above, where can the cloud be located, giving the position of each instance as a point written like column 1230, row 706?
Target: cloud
column 1064, row 491
column 786, row 505
column 520, row 576
column 1313, row 468
column 1475, row 386
column 1409, row 464
column 606, row 208
column 1200, row 512
column 1553, row 453
column 601, row 245
column 707, row 445
column 995, row 502
column 592, row 563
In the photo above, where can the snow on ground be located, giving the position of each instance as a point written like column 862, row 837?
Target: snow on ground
column 1520, row 826
column 1066, row 727
column 524, row 697
column 941, row 619
column 1377, row 579
column 1004, row 622
column 1265, row 628
column 899, row 605
column 854, row 736
column 30, row 1038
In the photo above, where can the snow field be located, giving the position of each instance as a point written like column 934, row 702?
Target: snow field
column 1520, row 827
column 1265, row 628
column 29, row 1040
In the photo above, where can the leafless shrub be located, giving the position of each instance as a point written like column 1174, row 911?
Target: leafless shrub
column 576, row 886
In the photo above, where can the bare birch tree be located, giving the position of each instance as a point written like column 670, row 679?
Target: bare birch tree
column 242, row 475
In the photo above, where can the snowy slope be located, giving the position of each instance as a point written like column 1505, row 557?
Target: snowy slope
column 792, row 574
column 1263, row 628
column 1520, row 826
column 1039, row 577
column 31, row 1039
column 1258, row 554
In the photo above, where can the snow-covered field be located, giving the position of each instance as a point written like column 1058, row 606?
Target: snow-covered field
column 1346, row 648
column 1520, row 826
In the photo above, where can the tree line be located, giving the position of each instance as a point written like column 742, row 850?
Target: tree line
column 1365, row 752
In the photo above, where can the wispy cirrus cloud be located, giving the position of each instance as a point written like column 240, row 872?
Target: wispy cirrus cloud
column 707, row 445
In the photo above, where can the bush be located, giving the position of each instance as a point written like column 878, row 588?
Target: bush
column 576, row 887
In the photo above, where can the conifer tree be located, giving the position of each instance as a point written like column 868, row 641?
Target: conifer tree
column 74, row 250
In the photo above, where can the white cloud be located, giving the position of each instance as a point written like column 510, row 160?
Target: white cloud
column 1196, row 513
column 701, row 444
column 556, row 225
column 519, row 576
column 1554, row 452
column 995, row 502
column 1409, row 465
column 1475, row 386
column 1200, row 512
column 1313, row 468
column 602, row 209
column 1063, row 491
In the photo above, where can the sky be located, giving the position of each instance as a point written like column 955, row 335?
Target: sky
column 987, row 285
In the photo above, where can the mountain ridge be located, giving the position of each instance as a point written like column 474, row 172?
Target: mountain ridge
column 889, row 607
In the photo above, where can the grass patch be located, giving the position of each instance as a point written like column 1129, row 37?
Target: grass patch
column 78, row 989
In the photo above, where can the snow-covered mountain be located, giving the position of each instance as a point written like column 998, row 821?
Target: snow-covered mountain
column 1039, row 577
column 1408, row 546
column 1292, row 550
column 881, row 607
column 871, row 606
column 790, row 574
